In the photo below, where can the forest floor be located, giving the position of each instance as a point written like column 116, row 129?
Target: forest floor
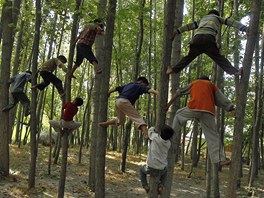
column 118, row 185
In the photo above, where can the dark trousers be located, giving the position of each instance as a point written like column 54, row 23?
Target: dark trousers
column 144, row 171
column 19, row 97
column 205, row 43
column 49, row 77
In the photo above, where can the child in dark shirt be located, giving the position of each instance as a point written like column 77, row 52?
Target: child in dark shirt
column 128, row 94
column 70, row 110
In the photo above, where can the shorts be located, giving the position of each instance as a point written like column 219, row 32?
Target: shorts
column 84, row 51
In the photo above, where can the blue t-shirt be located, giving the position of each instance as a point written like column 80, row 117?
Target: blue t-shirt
column 132, row 91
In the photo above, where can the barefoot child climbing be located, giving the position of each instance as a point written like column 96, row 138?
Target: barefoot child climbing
column 128, row 94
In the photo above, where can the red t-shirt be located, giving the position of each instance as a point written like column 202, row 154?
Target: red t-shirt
column 70, row 110
column 202, row 96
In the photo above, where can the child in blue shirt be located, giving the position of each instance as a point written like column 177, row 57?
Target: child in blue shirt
column 128, row 94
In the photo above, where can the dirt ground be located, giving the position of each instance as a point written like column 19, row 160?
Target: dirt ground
column 118, row 185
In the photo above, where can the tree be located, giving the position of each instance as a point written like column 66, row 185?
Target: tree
column 7, row 33
column 234, row 180
column 101, row 135
column 33, row 123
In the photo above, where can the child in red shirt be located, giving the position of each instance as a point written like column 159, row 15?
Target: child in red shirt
column 70, row 110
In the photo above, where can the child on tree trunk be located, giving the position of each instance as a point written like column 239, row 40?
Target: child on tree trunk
column 159, row 146
column 128, row 94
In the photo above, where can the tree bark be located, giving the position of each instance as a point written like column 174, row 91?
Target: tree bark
column 33, row 123
column 105, row 55
column 241, row 100
column 5, row 73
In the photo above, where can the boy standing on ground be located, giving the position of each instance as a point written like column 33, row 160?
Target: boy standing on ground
column 204, row 96
column 128, row 94
column 46, row 72
column 157, row 156
column 84, row 46
column 70, row 110
column 17, row 90
column 204, row 41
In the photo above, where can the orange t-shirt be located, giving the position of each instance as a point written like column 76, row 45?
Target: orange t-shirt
column 202, row 96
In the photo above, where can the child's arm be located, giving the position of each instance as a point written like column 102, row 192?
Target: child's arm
column 172, row 100
column 111, row 91
column 179, row 92
column 153, row 91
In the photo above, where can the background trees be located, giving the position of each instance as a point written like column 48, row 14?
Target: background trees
column 137, row 42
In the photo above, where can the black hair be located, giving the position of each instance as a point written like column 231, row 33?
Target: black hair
column 62, row 58
column 99, row 22
column 78, row 101
column 204, row 78
column 28, row 71
column 166, row 132
column 214, row 12
column 143, row 79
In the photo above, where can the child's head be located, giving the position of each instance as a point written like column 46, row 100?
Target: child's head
column 62, row 58
column 78, row 101
column 166, row 132
column 99, row 22
column 214, row 12
column 204, row 78
column 143, row 80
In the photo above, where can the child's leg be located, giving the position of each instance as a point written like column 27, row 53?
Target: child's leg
column 128, row 109
column 143, row 175
column 11, row 105
column 144, row 130
column 56, row 125
column 97, row 68
column 107, row 123
column 22, row 97
column 163, row 176
column 46, row 81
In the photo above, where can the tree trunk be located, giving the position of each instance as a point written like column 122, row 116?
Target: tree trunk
column 65, row 144
column 257, row 119
column 154, row 181
column 5, row 73
column 104, row 58
column 241, row 100
column 33, row 123
column 175, row 142
column 125, row 145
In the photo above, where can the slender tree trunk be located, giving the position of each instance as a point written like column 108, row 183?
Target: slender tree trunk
column 5, row 73
column 65, row 144
column 33, row 123
column 106, row 54
column 242, row 98
column 258, row 117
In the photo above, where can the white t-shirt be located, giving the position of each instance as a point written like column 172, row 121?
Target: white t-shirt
column 158, row 150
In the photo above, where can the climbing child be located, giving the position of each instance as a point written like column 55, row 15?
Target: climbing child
column 46, row 72
column 70, row 110
column 159, row 146
column 128, row 94
column 204, row 96
column 84, row 46
column 17, row 90
column 204, row 41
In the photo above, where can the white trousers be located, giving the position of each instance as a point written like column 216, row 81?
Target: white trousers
column 58, row 125
column 208, row 124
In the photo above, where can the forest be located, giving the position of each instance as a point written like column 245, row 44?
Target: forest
column 137, row 40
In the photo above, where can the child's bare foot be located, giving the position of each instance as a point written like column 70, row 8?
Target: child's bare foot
column 169, row 70
column 97, row 69
column 240, row 72
column 34, row 86
column 145, row 135
column 225, row 162
column 160, row 189
column 103, row 124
